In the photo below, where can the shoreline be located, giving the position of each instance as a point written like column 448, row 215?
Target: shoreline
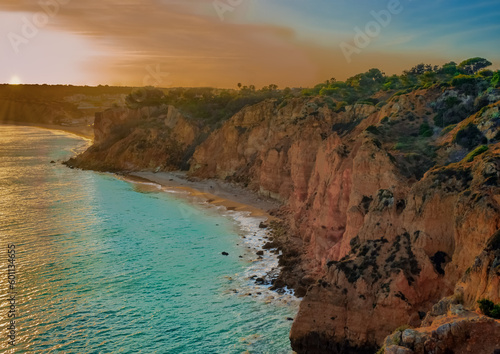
column 249, row 211
column 85, row 132
column 212, row 191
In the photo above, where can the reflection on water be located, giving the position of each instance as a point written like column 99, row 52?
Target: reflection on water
column 107, row 266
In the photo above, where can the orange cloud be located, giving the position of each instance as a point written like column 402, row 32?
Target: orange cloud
column 185, row 43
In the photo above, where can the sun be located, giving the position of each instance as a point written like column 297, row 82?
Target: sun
column 15, row 80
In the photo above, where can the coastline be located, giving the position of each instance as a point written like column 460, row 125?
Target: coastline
column 214, row 192
column 252, row 214
column 85, row 132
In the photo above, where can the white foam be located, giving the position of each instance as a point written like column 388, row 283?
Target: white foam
column 253, row 238
column 265, row 267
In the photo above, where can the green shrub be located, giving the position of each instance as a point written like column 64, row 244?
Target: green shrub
column 439, row 119
column 282, row 104
column 403, row 146
column 469, row 137
column 477, row 151
column 495, row 313
column 495, row 80
column 486, row 73
column 488, row 308
column 461, row 80
column 425, row 130
column 452, row 101
column 373, row 129
column 370, row 101
column 340, row 106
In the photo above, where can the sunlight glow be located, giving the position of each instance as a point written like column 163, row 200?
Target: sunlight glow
column 15, row 80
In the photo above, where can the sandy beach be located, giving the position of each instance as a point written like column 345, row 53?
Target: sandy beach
column 82, row 131
column 215, row 192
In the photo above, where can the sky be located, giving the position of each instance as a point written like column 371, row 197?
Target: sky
column 219, row 43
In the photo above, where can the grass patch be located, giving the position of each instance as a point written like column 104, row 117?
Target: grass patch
column 476, row 152
column 448, row 129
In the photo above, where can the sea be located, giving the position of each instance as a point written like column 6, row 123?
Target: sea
column 93, row 263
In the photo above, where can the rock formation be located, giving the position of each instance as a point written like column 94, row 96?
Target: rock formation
column 385, row 211
column 153, row 138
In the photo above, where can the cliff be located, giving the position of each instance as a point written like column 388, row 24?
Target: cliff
column 385, row 211
column 388, row 219
column 57, row 104
column 455, row 331
column 149, row 138
column 449, row 326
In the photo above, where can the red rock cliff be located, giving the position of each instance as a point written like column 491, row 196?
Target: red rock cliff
column 385, row 241
column 150, row 138
column 385, row 211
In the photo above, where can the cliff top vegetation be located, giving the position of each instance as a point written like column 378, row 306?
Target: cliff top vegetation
column 470, row 77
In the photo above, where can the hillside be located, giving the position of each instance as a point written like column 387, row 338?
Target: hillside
column 57, row 104
column 390, row 185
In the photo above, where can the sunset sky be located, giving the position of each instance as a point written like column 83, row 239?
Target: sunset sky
column 220, row 43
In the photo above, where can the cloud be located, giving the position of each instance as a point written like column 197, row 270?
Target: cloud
column 188, row 40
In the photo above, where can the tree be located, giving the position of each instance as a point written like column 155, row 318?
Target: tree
column 473, row 65
column 420, row 69
column 449, row 68
column 392, row 83
column 495, row 80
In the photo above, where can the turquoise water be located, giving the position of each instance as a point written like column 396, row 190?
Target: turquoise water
column 108, row 266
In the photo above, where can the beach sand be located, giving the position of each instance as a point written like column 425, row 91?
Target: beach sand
column 215, row 192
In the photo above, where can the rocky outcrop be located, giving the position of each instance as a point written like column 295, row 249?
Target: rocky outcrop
column 449, row 326
column 385, row 236
column 482, row 279
column 407, row 254
column 267, row 148
column 149, row 138
column 456, row 330
column 383, row 215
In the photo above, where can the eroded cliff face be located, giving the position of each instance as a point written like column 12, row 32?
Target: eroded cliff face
column 150, row 138
column 407, row 254
column 387, row 231
column 384, row 213
column 456, row 331
column 449, row 326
